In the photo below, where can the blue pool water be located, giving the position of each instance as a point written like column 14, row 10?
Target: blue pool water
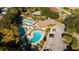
column 36, row 36
column 28, row 22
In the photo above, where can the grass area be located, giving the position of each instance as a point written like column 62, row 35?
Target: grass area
column 47, row 30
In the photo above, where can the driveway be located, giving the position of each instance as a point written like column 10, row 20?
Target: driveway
column 56, row 43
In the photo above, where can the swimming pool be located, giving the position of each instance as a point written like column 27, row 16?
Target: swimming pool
column 37, row 36
column 28, row 22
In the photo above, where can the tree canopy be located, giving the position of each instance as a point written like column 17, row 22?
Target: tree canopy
column 8, row 26
column 69, row 39
column 49, row 13
column 72, row 23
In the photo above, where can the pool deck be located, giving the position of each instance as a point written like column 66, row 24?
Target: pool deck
column 45, row 23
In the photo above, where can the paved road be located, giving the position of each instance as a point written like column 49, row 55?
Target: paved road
column 55, row 43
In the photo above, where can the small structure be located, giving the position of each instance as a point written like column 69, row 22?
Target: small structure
column 37, row 13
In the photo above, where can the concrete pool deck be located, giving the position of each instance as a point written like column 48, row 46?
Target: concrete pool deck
column 45, row 23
